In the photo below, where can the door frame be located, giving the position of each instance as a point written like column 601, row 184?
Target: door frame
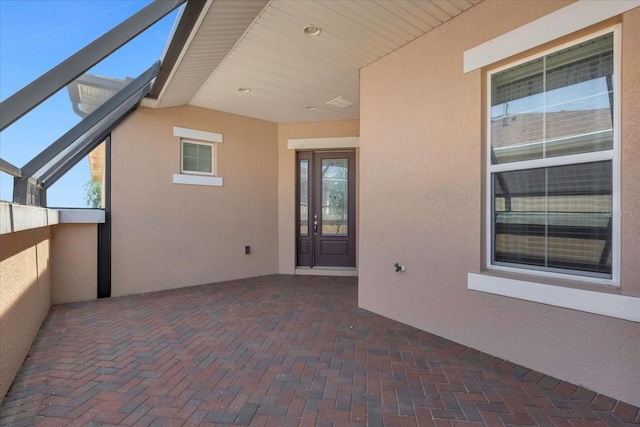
column 306, row 257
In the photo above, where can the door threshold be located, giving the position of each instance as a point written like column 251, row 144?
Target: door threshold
column 326, row 271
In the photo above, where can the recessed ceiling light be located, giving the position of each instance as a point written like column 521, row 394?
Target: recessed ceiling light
column 244, row 89
column 311, row 107
column 312, row 31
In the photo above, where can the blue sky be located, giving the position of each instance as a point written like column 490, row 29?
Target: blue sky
column 35, row 36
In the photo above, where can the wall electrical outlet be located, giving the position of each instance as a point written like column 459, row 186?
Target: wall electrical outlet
column 247, row 250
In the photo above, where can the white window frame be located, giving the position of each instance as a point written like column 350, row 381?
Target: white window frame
column 198, row 137
column 612, row 155
column 213, row 158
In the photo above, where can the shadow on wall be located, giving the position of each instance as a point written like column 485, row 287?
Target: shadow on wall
column 25, row 296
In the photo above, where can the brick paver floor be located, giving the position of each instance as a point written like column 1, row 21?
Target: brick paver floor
column 275, row 351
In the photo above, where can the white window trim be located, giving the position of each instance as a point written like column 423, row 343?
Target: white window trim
column 560, row 23
column 321, row 143
column 612, row 155
column 197, row 134
column 197, row 137
column 213, row 158
column 605, row 304
column 212, row 181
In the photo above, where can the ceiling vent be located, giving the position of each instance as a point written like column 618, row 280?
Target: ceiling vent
column 340, row 102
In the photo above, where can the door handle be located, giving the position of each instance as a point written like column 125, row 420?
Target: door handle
column 315, row 227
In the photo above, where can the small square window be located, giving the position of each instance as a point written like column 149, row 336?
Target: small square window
column 197, row 158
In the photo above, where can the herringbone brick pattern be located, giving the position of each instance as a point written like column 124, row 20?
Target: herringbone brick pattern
column 275, row 351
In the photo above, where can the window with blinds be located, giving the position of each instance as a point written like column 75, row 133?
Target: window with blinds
column 197, row 158
column 550, row 172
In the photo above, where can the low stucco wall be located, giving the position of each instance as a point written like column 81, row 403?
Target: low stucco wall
column 422, row 206
column 25, row 296
column 287, row 179
column 167, row 235
column 75, row 263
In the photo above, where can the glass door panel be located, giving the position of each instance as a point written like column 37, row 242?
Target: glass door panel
column 303, row 185
column 335, row 197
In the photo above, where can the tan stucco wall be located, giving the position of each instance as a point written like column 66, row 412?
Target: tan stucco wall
column 25, row 296
column 287, row 179
column 74, row 263
column 630, row 153
column 166, row 235
column 421, row 205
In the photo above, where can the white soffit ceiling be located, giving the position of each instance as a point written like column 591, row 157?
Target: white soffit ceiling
column 286, row 70
column 216, row 34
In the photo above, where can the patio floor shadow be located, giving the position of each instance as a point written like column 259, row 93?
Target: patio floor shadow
column 275, row 351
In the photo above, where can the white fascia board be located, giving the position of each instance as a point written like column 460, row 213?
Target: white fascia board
column 605, row 304
column 212, row 181
column 562, row 22
column 81, row 216
column 197, row 134
column 320, row 143
column 185, row 49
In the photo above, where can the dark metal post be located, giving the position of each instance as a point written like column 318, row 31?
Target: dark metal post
column 27, row 192
column 104, row 230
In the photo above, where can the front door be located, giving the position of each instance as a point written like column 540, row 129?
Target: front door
column 326, row 234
